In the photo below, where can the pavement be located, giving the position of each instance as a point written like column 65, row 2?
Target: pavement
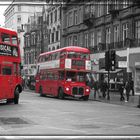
column 115, row 99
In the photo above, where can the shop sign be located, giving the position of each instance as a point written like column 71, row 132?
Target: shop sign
column 122, row 64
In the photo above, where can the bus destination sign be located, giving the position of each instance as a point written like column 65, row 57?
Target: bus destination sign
column 8, row 50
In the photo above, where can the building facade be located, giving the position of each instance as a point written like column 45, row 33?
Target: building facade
column 32, row 43
column 16, row 16
column 98, row 26
column 104, row 25
column 54, row 24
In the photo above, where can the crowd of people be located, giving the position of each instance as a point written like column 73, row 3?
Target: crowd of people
column 101, row 88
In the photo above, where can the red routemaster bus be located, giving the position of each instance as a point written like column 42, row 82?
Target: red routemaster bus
column 10, row 79
column 63, row 72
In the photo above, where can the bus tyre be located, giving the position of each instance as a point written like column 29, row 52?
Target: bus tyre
column 16, row 96
column 60, row 94
column 85, row 98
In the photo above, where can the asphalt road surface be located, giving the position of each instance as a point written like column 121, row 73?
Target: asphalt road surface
column 35, row 115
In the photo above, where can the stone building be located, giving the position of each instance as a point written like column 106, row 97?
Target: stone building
column 105, row 25
column 17, row 13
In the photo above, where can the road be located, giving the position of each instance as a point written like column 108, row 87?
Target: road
column 35, row 115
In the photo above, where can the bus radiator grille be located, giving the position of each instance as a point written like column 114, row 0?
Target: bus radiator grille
column 78, row 91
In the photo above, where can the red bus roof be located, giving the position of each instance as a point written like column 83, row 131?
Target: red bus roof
column 69, row 49
column 8, row 31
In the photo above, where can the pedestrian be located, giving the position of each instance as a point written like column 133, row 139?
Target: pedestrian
column 104, row 88
column 121, row 90
column 132, row 86
column 96, row 89
column 128, row 88
column 23, row 82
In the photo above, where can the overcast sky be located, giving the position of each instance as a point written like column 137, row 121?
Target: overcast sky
column 3, row 5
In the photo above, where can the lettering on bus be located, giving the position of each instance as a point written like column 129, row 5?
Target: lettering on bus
column 8, row 50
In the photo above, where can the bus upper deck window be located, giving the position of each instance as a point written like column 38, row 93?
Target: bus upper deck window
column 5, row 38
column 14, row 40
column 62, row 54
column 6, row 70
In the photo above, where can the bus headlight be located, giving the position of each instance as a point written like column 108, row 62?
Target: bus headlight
column 67, row 89
column 87, row 90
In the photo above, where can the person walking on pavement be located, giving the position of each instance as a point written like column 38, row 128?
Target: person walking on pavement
column 128, row 88
column 104, row 88
column 132, row 86
column 96, row 89
column 121, row 89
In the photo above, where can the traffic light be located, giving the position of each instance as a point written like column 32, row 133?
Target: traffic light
column 107, row 60
column 112, row 60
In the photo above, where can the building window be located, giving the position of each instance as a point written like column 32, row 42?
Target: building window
column 19, row 7
column 51, row 18
column 137, row 29
column 34, row 39
column 107, row 6
column 75, row 40
column 125, row 3
column 55, row 15
column 59, row 13
column 70, row 40
column 52, row 37
column 80, row 40
column 92, row 39
column 116, row 33
column 86, row 40
column 57, row 35
column 75, row 17
column 108, row 35
column 99, row 9
column 92, row 8
column 19, row 18
column 28, row 41
column 116, row 4
column 70, row 19
column 98, row 37
column 125, row 31
column 80, row 15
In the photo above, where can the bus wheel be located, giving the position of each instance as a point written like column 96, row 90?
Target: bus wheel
column 41, row 92
column 9, row 101
column 16, row 96
column 85, row 98
column 60, row 94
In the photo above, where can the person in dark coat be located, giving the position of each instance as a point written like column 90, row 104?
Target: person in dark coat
column 121, row 89
column 96, row 89
column 128, row 88
column 104, row 88
column 132, row 86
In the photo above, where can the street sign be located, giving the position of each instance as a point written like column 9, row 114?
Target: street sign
column 122, row 64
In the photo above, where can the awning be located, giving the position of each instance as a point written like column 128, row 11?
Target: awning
column 104, row 71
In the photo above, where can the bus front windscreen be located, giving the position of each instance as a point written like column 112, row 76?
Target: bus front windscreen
column 76, row 76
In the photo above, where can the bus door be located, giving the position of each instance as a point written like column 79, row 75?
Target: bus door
column 7, row 81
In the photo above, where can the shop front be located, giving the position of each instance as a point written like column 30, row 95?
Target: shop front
column 116, row 76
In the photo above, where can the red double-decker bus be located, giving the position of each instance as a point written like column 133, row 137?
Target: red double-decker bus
column 63, row 72
column 10, row 79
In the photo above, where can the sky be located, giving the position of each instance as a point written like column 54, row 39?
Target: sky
column 3, row 5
